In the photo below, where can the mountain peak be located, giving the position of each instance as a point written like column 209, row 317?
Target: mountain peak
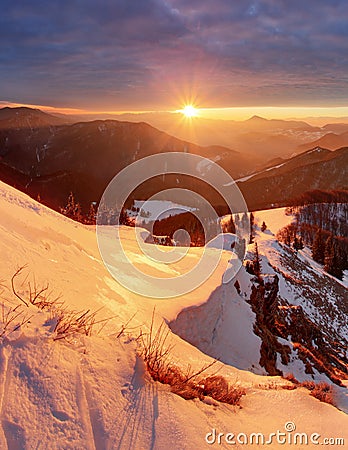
column 256, row 118
column 20, row 115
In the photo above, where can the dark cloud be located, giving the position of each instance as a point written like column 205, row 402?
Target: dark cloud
column 122, row 54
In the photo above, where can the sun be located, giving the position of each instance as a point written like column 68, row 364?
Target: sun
column 189, row 111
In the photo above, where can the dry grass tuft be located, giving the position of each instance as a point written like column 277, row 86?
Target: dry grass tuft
column 322, row 391
column 39, row 296
column 189, row 384
column 69, row 323
column 291, row 377
column 125, row 328
column 217, row 387
column 12, row 319
column 310, row 385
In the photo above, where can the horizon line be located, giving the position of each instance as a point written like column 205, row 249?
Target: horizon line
column 217, row 113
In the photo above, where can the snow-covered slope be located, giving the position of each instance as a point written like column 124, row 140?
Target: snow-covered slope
column 298, row 323
column 92, row 392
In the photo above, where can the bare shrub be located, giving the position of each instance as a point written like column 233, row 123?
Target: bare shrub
column 69, row 323
column 218, row 388
column 322, row 391
column 289, row 387
column 310, row 385
column 188, row 391
column 189, row 384
column 125, row 327
column 155, row 351
column 291, row 377
column 273, row 385
column 39, row 296
column 12, row 319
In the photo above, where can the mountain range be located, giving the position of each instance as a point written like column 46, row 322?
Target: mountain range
column 262, row 138
column 46, row 156
column 256, row 136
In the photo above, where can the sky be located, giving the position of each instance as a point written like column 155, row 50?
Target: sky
column 145, row 55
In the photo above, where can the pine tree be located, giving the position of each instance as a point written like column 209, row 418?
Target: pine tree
column 333, row 260
column 239, row 248
column 123, row 220
column 296, row 243
column 251, row 239
column 257, row 262
column 300, row 244
column 237, row 286
column 244, row 221
column 329, row 254
column 318, row 248
column 72, row 209
column 340, row 261
column 78, row 213
column 229, row 226
column 92, row 215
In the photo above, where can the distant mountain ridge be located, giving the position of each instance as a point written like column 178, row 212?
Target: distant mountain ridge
column 330, row 141
column 43, row 156
column 262, row 138
column 24, row 117
column 317, row 168
column 83, row 157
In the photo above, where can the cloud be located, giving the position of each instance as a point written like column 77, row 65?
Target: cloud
column 121, row 54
